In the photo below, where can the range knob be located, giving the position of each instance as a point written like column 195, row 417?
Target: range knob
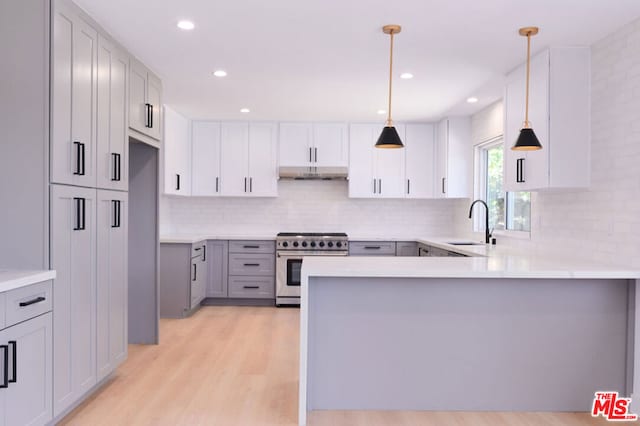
column 304, row 244
column 330, row 243
column 338, row 244
column 313, row 243
column 295, row 244
column 285, row 244
column 321, row 243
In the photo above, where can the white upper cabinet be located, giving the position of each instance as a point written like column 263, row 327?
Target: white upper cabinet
column 249, row 160
column 453, row 162
column 559, row 112
column 419, row 160
column 205, row 158
column 313, row 144
column 177, row 154
column 112, row 140
column 374, row 173
column 73, row 109
column 145, row 101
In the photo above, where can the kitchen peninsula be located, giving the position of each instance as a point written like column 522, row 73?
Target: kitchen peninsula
column 496, row 331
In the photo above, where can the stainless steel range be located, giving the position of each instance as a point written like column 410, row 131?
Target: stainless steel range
column 291, row 247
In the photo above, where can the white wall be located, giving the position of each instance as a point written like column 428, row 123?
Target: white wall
column 309, row 206
column 602, row 223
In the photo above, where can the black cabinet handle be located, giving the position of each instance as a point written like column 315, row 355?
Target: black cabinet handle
column 32, row 301
column 374, row 186
column 408, row 186
column 251, row 286
column 80, row 158
column 372, row 247
column 80, row 214
column 217, row 179
column 315, row 154
column 251, row 247
column 250, row 184
column 251, row 264
column 14, row 361
column 204, row 253
column 245, row 184
column 520, row 170
column 116, row 213
column 151, row 115
column 310, row 156
column 443, row 180
column 178, row 182
column 379, row 186
column 5, row 363
column 195, row 272
column 148, row 118
column 116, row 176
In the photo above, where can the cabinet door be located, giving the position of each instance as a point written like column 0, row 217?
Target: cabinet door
column 389, row 169
column 138, row 96
column 73, row 254
column 217, row 261
column 73, row 110
column 295, row 145
column 406, row 248
column 459, row 158
column 205, row 158
column 112, row 145
column 263, row 151
column 361, row 178
column 154, row 98
column 513, row 120
column 441, row 152
column 28, row 400
column 234, row 152
column 112, row 279
column 420, row 160
column 177, row 154
column 330, row 145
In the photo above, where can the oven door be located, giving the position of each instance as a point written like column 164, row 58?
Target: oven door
column 288, row 267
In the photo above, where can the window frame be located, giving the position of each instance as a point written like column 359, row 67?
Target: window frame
column 480, row 190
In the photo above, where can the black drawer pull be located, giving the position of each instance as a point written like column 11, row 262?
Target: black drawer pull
column 14, row 356
column 33, row 301
column 251, row 264
column 81, row 209
column 80, row 158
column 198, row 249
column 372, row 247
column 5, row 364
column 116, row 172
column 251, row 247
column 251, row 286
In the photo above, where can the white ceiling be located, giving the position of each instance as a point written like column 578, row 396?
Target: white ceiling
column 328, row 59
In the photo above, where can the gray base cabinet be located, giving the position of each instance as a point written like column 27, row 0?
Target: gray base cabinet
column 252, row 269
column 406, row 248
column 183, row 278
column 217, row 258
column 372, row 248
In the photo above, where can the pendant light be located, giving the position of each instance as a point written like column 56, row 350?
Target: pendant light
column 389, row 137
column 527, row 141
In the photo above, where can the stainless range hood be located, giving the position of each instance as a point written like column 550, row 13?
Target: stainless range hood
column 311, row 173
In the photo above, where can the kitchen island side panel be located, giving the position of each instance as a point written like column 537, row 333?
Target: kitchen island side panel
column 465, row 344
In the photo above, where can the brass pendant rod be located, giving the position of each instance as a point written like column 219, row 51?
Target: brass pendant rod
column 526, row 110
column 389, row 122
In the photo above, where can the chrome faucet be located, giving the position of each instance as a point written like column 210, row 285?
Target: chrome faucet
column 487, row 234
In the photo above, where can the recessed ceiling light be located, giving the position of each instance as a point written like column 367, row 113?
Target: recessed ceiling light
column 220, row 73
column 186, row 25
column 382, row 112
column 406, row 75
column 472, row 100
column 245, row 110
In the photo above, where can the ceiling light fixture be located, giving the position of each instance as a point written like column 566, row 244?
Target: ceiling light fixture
column 527, row 141
column 406, row 75
column 472, row 100
column 389, row 137
column 220, row 73
column 186, row 25
column 245, row 110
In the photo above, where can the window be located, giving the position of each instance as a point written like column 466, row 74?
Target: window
column 511, row 210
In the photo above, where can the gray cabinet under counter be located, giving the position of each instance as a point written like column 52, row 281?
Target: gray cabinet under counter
column 183, row 278
column 406, row 248
column 372, row 248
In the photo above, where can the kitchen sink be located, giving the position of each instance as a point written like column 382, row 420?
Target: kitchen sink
column 465, row 243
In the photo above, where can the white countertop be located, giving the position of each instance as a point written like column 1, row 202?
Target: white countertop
column 487, row 262
column 10, row 280
column 190, row 239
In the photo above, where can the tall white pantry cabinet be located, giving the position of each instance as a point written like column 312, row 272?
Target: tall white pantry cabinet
column 64, row 115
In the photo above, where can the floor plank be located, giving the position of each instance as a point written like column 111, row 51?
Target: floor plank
column 239, row 366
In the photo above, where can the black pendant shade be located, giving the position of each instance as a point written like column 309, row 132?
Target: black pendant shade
column 527, row 141
column 389, row 138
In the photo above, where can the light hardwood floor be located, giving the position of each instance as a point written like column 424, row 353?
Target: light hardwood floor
column 239, row 366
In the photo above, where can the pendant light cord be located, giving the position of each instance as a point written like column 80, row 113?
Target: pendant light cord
column 389, row 122
column 526, row 110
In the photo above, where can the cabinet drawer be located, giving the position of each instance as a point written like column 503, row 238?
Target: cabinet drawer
column 372, row 248
column 252, row 287
column 252, row 264
column 27, row 302
column 252, row 246
column 198, row 249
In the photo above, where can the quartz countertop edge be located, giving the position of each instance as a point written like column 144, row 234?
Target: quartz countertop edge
column 190, row 239
column 13, row 279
